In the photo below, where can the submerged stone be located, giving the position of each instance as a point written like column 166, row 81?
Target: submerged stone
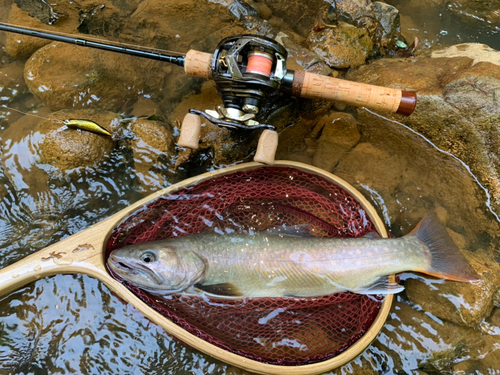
column 415, row 339
column 11, row 80
column 153, row 150
column 462, row 303
column 339, row 134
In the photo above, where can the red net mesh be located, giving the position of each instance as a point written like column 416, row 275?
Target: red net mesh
column 283, row 331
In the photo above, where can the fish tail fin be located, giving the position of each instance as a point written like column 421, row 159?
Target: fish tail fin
column 446, row 259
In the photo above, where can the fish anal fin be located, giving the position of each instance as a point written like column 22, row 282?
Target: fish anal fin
column 382, row 285
column 223, row 289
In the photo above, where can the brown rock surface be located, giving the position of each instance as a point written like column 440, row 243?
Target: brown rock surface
column 65, row 76
column 339, row 134
column 153, row 150
column 71, row 148
column 462, row 303
column 456, row 109
column 342, row 46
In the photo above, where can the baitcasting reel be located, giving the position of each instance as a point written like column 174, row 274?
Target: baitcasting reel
column 246, row 69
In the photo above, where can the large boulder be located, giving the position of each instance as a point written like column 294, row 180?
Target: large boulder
column 457, row 106
column 66, row 76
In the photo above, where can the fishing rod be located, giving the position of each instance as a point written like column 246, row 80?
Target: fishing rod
column 246, row 70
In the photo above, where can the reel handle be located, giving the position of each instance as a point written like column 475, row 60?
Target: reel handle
column 315, row 86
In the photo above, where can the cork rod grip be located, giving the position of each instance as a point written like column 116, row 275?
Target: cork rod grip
column 315, row 86
column 198, row 64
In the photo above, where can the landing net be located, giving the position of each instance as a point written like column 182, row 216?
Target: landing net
column 281, row 331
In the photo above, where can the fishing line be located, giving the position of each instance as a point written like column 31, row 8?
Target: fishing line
column 488, row 196
column 97, row 40
column 53, row 120
column 56, row 121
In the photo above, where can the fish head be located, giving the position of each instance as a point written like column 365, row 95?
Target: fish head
column 165, row 268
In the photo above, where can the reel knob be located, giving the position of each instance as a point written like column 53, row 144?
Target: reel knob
column 190, row 131
column 266, row 148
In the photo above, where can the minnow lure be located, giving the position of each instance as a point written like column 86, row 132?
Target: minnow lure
column 87, row 125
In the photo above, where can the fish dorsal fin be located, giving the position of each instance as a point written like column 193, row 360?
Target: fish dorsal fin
column 381, row 285
column 371, row 235
column 220, row 290
column 300, row 230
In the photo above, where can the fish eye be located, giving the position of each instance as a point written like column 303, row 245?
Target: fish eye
column 148, row 257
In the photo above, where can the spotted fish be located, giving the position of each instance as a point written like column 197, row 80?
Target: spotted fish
column 268, row 264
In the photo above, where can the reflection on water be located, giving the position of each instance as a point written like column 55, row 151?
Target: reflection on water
column 73, row 324
column 450, row 22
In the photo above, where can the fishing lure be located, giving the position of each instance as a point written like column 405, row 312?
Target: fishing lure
column 87, row 125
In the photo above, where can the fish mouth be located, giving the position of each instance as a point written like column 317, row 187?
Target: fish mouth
column 133, row 272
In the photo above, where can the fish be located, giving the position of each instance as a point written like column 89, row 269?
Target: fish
column 279, row 264
column 87, row 125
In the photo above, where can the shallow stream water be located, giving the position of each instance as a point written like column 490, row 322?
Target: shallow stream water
column 74, row 324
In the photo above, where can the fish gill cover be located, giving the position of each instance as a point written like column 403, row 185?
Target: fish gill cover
column 281, row 331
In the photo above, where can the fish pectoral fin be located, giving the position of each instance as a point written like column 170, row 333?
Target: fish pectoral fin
column 371, row 235
column 222, row 290
column 381, row 285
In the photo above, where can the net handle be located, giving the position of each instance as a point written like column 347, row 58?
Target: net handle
column 83, row 253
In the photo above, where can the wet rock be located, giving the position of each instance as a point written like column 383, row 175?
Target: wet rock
column 485, row 357
column 295, row 143
column 153, row 150
column 39, row 9
column 301, row 18
column 339, row 134
column 103, row 18
column 175, row 24
column 457, row 107
column 406, row 178
column 17, row 45
column 65, row 76
column 363, row 159
column 341, row 47
column 388, row 31
column 415, row 339
column 71, row 148
column 358, row 13
column 462, row 303
column 145, row 107
column 476, row 51
column 303, row 58
column 11, row 80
